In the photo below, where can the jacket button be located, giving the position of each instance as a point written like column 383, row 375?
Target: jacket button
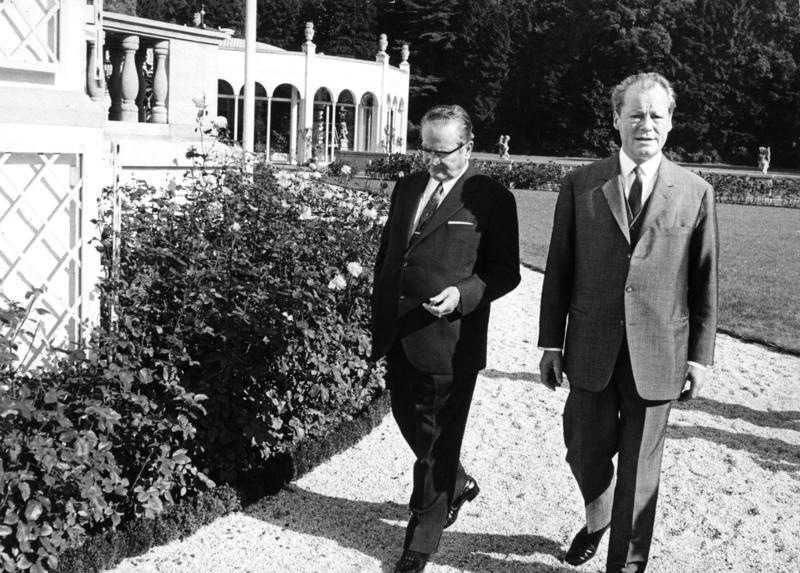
column 622, row 323
column 405, row 264
column 628, row 255
column 629, row 289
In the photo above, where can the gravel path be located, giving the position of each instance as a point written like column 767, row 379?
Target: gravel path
column 728, row 502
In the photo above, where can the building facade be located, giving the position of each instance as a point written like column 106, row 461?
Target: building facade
column 89, row 98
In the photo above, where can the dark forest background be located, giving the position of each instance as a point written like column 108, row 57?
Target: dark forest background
column 541, row 70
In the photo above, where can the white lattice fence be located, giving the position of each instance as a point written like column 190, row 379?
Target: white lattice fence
column 29, row 31
column 41, row 240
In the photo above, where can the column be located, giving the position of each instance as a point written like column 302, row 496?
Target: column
column 269, row 126
column 130, row 79
column 293, row 135
column 95, row 83
column 115, row 54
column 160, row 83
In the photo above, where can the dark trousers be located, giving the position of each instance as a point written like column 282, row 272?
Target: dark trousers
column 598, row 425
column 431, row 411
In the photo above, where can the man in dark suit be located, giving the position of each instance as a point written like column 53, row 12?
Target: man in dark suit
column 630, row 293
column 449, row 248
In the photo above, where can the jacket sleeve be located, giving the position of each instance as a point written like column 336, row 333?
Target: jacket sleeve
column 557, row 287
column 381, row 256
column 703, row 288
column 498, row 271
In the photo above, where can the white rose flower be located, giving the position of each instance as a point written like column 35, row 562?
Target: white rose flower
column 346, row 170
column 235, row 227
column 370, row 214
column 305, row 214
column 355, row 269
column 337, row 283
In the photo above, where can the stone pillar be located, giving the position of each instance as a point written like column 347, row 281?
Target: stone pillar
column 130, row 79
column 141, row 60
column 307, row 111
column 95, row 86
column 269, row 127
column 115, row 53
column 293, row 132
column 382, row 118
column 160, row 83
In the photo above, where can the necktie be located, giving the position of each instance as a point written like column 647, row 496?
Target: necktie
column 635, row 194
column 427, row 212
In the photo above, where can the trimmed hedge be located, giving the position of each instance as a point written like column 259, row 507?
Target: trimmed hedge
column 744, row 189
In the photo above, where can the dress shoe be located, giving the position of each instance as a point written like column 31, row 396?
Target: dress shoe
column 411, row 562
column 584, row 546
column 470, row 492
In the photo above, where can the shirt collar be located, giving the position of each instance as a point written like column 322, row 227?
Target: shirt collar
column 649, row 167
column 447, row 184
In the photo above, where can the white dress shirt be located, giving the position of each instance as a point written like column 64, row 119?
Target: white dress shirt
column 649, row 171
column 447, row 185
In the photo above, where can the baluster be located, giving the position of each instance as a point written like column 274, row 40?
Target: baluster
column 160, row 84
column 130, row 79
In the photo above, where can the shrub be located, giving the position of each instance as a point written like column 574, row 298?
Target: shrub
column 257, row 294
column 83, row 447
column 395, row 165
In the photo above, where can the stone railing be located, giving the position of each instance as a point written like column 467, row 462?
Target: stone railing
column 136, row 54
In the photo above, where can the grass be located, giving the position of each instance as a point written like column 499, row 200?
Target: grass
column 759, row 265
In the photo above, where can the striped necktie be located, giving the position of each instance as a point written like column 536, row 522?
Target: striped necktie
column 427, row 212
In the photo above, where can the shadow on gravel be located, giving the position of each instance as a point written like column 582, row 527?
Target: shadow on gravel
column 524, row 376
column 782, row 419
column 377, row 530
column 770, row 453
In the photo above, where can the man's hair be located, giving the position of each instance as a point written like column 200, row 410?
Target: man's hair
column 646, row 81
column 444, row 113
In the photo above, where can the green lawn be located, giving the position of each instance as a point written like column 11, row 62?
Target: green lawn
column 759, row 265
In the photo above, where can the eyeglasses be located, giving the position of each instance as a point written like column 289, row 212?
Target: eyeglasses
column 442, row 154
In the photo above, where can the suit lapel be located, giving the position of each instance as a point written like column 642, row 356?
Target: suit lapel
column 451, row 203
column 659, row 198
column 614, row 196
column 410, row 201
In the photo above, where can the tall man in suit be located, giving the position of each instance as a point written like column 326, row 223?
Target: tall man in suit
column 449, row 248
column 632, row 280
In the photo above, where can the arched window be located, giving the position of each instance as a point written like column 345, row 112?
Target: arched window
column 345, row 120
column 366, row 124
column 226, row 103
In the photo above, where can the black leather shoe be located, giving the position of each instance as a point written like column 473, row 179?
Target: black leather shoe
column 411, row 562
column 584, row 546
column 470, row 492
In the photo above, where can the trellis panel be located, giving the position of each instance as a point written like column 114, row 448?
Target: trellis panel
column 29, row 32
column 41, row 242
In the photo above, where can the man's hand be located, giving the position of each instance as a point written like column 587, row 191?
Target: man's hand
column 551, row 367
column 695, row 377
column 443, row 303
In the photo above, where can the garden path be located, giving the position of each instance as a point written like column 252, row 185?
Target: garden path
column 730, row 488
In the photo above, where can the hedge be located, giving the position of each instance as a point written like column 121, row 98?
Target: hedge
column 774, row 190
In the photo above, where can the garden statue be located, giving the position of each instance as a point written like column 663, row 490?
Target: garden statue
column 383, row 42
column 319, row 136
column 343, row 141
column 404, row 52
column 764, row 156
column 502, row 146
column 309, row 31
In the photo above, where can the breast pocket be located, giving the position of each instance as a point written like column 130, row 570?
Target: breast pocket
column 676, row 231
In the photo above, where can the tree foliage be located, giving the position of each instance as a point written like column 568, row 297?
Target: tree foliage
column 542, row 71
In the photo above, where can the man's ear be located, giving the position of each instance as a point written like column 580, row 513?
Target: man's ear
column 616, row 120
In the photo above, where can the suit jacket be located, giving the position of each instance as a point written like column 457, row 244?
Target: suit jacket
column 471, row 242
column 659, row 287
